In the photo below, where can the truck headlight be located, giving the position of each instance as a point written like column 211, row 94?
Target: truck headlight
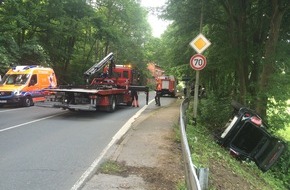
column 17, row 92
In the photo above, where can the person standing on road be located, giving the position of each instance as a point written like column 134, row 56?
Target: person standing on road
column 158, row 94
column 134, row 96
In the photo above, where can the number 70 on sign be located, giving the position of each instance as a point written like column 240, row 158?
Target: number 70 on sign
column 198, row 62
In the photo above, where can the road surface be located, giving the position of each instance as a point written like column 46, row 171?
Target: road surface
column 47, row 148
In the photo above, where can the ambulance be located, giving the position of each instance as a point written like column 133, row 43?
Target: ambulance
column 26, row 84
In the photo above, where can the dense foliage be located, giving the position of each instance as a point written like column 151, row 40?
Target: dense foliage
column 247, row 60
column 72, row 35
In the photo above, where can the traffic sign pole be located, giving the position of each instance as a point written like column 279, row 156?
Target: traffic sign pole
column 195, row 99
column 199, row 44
column 198, row 62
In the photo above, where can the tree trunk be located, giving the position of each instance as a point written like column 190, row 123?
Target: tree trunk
column 237, row 28
column 242, row 49
column 269, row 57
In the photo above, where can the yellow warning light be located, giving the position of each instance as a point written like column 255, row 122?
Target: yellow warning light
column 128, row 65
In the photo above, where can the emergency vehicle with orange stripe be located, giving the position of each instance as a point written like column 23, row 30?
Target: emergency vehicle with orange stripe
column 24, row 85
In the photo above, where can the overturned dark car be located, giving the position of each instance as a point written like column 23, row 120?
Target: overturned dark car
column 246, row 137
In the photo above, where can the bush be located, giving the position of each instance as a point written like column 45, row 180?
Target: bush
column 214, row 111
column 281, row 169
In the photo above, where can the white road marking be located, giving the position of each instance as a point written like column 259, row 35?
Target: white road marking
column 34, row 121
column 11, row 110
column 92, row 169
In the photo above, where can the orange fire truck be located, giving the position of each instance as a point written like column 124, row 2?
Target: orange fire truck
column 168, row 85
column 111, row 88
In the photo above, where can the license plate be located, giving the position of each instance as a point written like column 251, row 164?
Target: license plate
column 3, row 101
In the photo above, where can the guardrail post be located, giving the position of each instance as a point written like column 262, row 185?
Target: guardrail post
column 203, row 178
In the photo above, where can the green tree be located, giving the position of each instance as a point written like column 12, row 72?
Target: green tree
column 278, row 10
column 62, row 28
column 244, row 36
column 71, row 35
column 18, row 28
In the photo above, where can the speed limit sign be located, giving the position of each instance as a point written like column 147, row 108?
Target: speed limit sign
column 198, row 62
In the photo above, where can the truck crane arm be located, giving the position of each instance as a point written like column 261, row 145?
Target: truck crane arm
column 98, row 66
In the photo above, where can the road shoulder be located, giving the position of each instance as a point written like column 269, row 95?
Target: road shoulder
column 148, row 156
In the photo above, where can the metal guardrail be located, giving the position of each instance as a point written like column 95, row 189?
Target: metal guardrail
column 192, row 181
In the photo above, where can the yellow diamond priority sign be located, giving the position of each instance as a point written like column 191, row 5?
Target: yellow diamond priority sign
column 200, row 43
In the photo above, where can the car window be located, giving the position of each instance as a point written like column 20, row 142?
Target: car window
column 33, row 80
column 15, row 79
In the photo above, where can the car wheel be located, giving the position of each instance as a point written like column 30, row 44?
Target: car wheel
column 27, row 101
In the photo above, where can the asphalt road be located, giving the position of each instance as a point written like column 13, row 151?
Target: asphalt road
column 47, row 148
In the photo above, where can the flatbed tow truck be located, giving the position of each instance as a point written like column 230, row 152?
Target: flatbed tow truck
column 110, row 89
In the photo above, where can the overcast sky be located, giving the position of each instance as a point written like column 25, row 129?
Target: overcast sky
column 158, row 26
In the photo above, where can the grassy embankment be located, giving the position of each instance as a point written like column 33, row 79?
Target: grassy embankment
column 225, row 172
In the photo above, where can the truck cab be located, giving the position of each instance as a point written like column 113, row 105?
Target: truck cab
column 122, row 76
column 24, row 85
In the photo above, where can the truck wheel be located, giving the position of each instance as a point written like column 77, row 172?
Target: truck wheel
column 112, row 106
column 27, row 101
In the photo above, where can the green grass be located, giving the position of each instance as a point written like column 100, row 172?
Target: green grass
column 111, row 167
column 181, row 186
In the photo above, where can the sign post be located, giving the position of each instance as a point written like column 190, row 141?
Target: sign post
column 198, row 62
